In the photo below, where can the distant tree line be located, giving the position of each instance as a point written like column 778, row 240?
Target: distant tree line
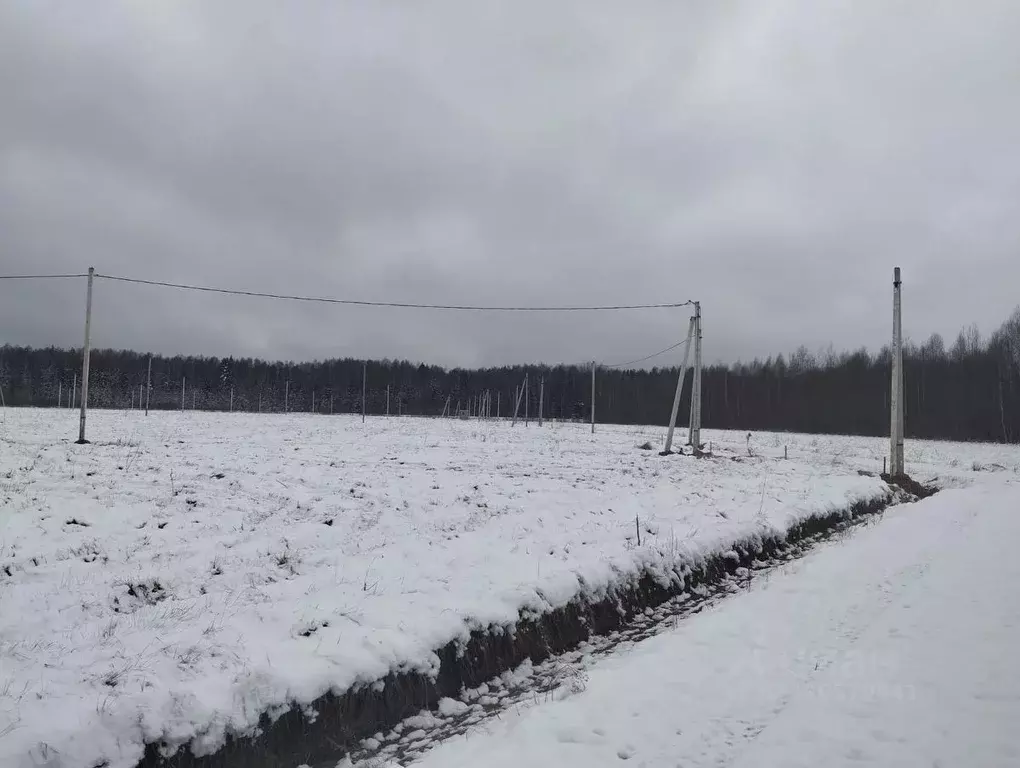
column 968, row 391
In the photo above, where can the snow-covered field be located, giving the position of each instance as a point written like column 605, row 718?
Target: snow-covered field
column 187, row 571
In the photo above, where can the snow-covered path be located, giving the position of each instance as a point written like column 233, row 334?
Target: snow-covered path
column 897, row 646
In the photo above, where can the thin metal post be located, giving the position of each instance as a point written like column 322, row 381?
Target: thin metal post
column 499, row 397
column 541, row 400
column 286, row 397
column 86, row 353
column 194, row 399
column 593, row 397
column 148, row 386
column 526, row 398
column 74, row 389
column 184, row 380
column 896, row 396
column 141, row 389
column 387, row 399
column 231, row 400
column 313, row 401
column 60, row 388
column 364, row 380
column 679, row 388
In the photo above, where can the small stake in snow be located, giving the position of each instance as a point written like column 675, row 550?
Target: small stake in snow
column 637, row 527
column 786, row 452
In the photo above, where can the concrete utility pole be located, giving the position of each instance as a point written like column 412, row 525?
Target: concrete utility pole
column 86, row 352
column 896, row 397
column 593, row 397
column 695, row 430
column 679, row 388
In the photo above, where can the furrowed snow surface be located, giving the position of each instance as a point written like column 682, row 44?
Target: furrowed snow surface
column 187, row 572
column 894, row 647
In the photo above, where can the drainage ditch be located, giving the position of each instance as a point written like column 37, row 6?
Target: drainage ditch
column 551, row 647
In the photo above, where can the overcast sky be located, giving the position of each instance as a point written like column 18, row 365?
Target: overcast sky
column 774, row 159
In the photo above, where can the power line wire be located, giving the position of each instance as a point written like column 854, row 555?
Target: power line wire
column 39, row 277
column 393, row 304
column 649, row 357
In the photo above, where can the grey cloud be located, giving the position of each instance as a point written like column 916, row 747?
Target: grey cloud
column 772, row 159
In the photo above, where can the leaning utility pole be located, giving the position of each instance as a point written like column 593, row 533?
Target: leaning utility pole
column 896, row 396
column 86, row 352
column 519, row 395
column 679, row 388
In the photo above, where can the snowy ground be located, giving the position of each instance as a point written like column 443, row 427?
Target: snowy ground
column 894, row 647
column 185, row 572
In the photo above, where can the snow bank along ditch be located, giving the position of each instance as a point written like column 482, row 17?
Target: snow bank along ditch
column 336, row 725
